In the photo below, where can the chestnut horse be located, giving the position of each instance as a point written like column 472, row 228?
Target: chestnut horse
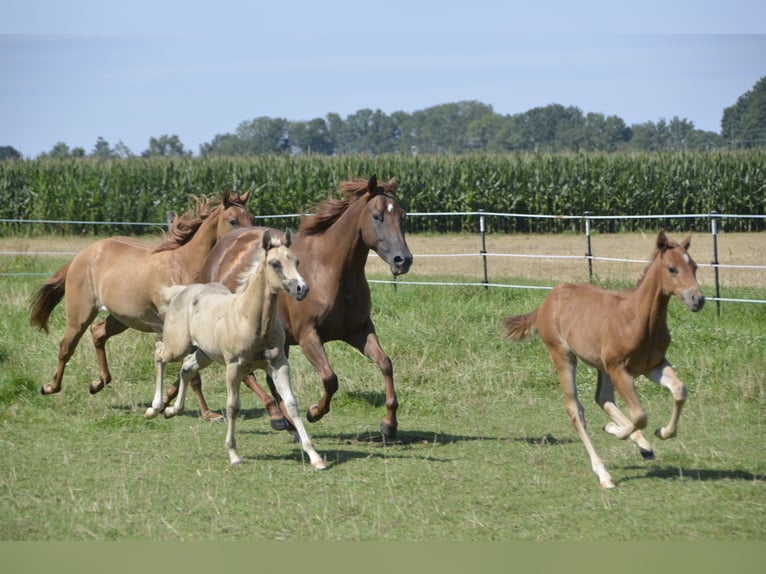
column 333, row 245
column 123, row 276
column 622, row 335
column 206, row 323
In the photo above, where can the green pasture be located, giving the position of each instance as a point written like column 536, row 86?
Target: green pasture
column 485, row 449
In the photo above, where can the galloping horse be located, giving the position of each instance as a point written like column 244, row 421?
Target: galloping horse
column 207, row 323
column 622, row 335
column 123, row 276
column 334, row 245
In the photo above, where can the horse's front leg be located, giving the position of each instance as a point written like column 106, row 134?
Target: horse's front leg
column 366, row 341
column 666, row 376
column 233, row 380
column 271, row 403
column 605, row 399
column 279, row 370
column 314, row 352
column 626, row 386
column 101, row 331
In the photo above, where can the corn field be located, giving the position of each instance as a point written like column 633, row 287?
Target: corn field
column 145, row 190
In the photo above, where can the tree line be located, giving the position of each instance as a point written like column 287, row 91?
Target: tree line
column 457, row 128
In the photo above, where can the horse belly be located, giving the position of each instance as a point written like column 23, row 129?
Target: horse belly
column 573, row 316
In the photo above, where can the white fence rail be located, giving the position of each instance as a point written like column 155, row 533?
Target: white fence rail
column 588, row 257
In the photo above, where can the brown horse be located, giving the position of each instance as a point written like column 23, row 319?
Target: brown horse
column 333, row 246
column 123, row 276
column 622, row 335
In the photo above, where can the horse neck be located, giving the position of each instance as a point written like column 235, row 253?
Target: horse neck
column 340, row 247
column 652, row 301
column 194, row 251
column 257, row 303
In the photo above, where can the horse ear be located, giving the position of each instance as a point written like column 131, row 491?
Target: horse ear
column 266, row 240
column 392, row 184
column 225, row 196
column 288, row 238
column 662, row 240
column 244, row 197
column 686, row 242
column 372, row 184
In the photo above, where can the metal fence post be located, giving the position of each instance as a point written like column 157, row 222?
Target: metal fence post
column 483, row 231
column 714, row 231
column 589, row 253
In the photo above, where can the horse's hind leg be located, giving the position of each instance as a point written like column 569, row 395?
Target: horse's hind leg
column 566, row 364
column 101, row 331
column 190, row 368
column 74, row 330
column 666, row 376
column 159, row 365
column 605, row 399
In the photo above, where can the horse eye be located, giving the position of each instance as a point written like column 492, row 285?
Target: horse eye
column 233, row 222
column 276, row 264
column 673, row 269
column 377, row 216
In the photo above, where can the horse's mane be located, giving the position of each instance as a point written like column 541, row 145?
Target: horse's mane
column 246, row 274
column 329, row 210
column 185, row 226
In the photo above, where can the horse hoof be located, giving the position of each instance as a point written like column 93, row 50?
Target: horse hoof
column 608, row 484
column 647, row 454
column 311, row 418
column 388, row 431
column 282, row 425
column 95, row 387
column 278, row 424
column 319, row 465
column 211, row 416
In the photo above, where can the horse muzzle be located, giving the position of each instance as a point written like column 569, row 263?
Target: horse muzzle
column 400, row 264
column 694, row 299
column 298, row 290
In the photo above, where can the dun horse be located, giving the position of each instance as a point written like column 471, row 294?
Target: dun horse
column 207, row 323
column 622, row 335
column 123, row 276
column 334, row 245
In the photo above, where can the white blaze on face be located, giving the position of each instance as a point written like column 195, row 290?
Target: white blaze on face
column 390, row 208
column 686, row 257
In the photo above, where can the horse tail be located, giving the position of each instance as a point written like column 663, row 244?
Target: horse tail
column 47, row 297
column 521, row 328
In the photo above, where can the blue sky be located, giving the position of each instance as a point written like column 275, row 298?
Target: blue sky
column 78, row 70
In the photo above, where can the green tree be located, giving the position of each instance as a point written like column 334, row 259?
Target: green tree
column 102, row 150
column 59, row 151
column 164, row 146
column 312, row 137
column 265, row 135
column 8, row 152
column 744, row 123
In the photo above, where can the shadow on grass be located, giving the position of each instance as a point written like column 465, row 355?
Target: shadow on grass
column 701, row 474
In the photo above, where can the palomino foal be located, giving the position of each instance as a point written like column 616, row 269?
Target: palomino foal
column 622, row 335
column 207, row 323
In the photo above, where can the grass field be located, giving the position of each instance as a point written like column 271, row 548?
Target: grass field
column 485, row 451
